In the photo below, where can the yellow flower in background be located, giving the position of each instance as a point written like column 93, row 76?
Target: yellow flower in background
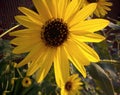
column 102, row 7
column 71, row 86
column 26, row 82
column 55, row 35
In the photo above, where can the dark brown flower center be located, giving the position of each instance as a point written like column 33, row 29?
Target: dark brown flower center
column 68, row 86
column 54, row 32
column 92, row 1
column 26, row 81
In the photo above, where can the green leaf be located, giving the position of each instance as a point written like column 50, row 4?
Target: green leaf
column 101, row 78
column 102, row 50
column 29, row 90
column 17, row 88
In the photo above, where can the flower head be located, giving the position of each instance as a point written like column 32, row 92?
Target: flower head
column 102, row 7
column 71, row 86
column 26, row 82
column 57, row 34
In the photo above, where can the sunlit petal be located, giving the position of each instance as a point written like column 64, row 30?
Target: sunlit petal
column 31, row 55
column 25, row 33
column 32, row 15
column 90, row 54
column 42, row 8
column 25, row 21
column 83, row 14
column 76, row 57
column 72, row 7
column 45, row 67
column 91, row 37
column 61, row 66
column 90, row 25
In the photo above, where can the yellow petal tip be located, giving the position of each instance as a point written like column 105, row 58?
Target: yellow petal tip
column 93, row 4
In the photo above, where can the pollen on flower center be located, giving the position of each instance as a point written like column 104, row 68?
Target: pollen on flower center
column 92, row 1
column 54, row 32
column 68, row 86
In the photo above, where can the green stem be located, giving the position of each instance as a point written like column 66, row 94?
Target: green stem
column 7, row 85
column 107, row 60
column 9, row 30
column 19, row 73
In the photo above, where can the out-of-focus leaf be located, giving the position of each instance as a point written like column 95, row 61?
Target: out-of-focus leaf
column 109, row 69
column 3, row 65
column 31, row 90
column 102, row 50
column 117, row 82
column 17, row 87
column 34, row 89
column 117, row 65
column 101, row 78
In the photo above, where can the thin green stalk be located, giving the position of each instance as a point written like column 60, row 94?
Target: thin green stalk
column 9, row 30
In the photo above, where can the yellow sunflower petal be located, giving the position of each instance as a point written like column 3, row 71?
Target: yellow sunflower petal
column 62, row 4
column 106, row 8
column 83, row 14
column 76, row 57
column 61, row 66
column 90, row 25
column 53, row 6
column 73, row 50
column 57, row 77
column 34, row 65
column 73, row 77
column 107, row 3
column 72, row 7
column 25, row 33
column 91, row 37
column 25, row 41
column 47, row 63
column 90, row 54
column 64, row 92
column 31, row 55
column 102, row 11
column 25, row 21
column 79, row 32
column 97, row 13
column 43, row 71
column 21, row 49
column 42, row 8
column 32, row 15
column 37, row 62
column 77, row 80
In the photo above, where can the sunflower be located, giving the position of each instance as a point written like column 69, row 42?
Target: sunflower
column 26, row 82
column 71, row 86
column 55, row 36
column 102, row 7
